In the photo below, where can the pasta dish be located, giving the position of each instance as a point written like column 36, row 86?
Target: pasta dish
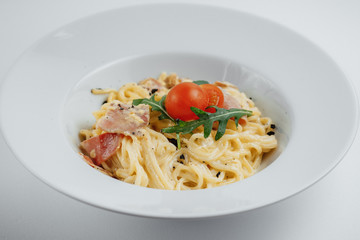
column 178, row 134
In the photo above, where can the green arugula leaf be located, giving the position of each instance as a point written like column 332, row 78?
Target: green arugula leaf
column 207, row 119
column 201, row 82
column 156, row 106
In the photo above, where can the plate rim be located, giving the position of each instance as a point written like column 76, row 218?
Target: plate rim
column 327, row 171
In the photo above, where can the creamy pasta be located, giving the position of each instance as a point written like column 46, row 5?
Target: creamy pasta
column 150, row 158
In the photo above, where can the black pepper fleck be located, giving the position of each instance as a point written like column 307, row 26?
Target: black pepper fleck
column 271, row 133
column 173, row 141
column 104, row 102
column 154, row 90
column 133, row 133
column 182, row 156
column 273, row 126
column 218, row 174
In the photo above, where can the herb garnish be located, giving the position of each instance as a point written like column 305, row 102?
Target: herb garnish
column 205, row 118
column 201, row 82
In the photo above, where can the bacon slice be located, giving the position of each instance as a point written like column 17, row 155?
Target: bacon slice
column 230, row 101
column 151, row 83
column 225, row 85
column 171, row 80
column 100, row 148
column 122, row 118
column 89, row 161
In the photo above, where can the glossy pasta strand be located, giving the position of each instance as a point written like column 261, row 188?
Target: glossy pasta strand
column 153, row 161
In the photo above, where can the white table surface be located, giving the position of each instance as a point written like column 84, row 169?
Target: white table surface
column 330, row 209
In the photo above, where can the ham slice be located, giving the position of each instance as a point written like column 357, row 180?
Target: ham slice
column 125, row 119
column 100, row 148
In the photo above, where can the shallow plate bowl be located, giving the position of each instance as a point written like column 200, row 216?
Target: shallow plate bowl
column 46, row 99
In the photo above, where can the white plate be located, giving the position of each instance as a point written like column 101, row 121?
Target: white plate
column 46, row 99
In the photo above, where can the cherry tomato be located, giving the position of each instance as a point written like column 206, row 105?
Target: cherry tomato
column 215, row 96
column 183, row 96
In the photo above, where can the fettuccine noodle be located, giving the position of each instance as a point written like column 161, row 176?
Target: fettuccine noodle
column 152, row 160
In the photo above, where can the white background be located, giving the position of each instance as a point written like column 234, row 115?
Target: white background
column 330, row 209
